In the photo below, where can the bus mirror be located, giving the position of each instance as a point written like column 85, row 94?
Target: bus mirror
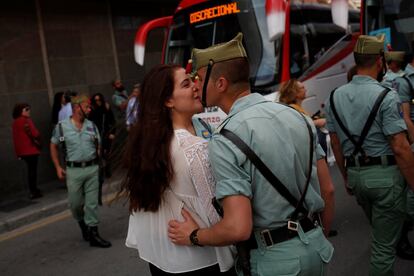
column 339, row 11
column 142, row 33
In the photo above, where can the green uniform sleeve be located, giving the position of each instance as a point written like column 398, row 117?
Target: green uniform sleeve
column 403, row 89
column 227, row 163
column 391, row 113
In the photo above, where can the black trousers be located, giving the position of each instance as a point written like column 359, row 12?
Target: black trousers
column 31, row 162
column 207, row 271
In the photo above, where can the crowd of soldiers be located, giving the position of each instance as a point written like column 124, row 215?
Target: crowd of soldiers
column 368, row 128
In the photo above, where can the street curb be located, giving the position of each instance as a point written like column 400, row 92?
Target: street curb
column 9, row 224
column 32, row 216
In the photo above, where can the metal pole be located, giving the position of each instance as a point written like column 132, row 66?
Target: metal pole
column 44, row 53
column 111, row 32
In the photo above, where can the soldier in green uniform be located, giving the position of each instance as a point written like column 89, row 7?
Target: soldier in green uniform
column 403, row 83
column 279, row 135
column 395, row 62
column 80, row 142
column 374, row 171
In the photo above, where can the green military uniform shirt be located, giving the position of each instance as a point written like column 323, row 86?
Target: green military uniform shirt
column 354, row 102
column 403, row 88
column 390, row 76
column 279, row 136
column 80, row 145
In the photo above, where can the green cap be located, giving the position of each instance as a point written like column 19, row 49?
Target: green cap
column 394, row 56
column 369, row 45
column 79, row 99
column 219, row 52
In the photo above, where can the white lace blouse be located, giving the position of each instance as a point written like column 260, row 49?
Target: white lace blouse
column 192, row 188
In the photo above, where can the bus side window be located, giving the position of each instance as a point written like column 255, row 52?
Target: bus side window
column 298, row 56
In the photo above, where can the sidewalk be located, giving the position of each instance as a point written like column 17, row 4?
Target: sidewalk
column 19, row 211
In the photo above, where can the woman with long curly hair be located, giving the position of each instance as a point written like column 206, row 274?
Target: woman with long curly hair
column 169, row 170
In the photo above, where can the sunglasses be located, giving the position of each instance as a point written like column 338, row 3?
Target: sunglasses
column 98, row 100
column 26, row 109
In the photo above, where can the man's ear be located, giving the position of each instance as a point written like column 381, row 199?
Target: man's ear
column 222, row 84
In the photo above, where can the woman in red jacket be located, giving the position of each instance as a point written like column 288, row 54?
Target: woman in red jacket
column 26, row 140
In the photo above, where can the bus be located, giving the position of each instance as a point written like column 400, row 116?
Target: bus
column 284, row 39
column 394, row 18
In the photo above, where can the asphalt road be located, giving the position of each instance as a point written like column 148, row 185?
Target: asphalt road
column 55, row 247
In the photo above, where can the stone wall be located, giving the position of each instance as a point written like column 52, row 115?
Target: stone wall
column 86, row 44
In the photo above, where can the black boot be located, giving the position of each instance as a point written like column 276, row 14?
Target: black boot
column 84, row 229
column 95, row 239
column 404, row 249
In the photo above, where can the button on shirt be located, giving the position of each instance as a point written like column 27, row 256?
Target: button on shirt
column 354, row 102
column 80, row 144
column 403, row 88
column 279, row 136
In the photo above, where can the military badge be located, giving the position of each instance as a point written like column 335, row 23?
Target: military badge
column 205, row 133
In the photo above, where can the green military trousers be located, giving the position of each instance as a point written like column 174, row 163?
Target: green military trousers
column 381, row 192
column 306, row 254
column 83, row 189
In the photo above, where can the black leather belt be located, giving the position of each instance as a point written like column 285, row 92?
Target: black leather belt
column 74, row 164
column 274, row 236
column 386, row 160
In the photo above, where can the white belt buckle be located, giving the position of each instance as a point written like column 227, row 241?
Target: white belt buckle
column 293, row 225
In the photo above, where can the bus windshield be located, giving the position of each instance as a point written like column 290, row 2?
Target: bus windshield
column 395, row 18
column 312, row 35
column 192, row 28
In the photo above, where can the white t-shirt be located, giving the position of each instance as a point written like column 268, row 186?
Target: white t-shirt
column 192, row 188
column 65, row 112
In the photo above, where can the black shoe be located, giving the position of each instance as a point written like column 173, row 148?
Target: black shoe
column 96, row 240
column 84, row 229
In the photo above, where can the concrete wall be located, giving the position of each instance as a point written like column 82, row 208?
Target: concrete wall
column 86, row 44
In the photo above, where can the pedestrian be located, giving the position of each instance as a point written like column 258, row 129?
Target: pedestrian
column 27, row 144
column 102, row 116
column 80, row 142
column 119, row 100
column 58, row 102
column 402, row 81
column 133, row 107
column 371, row 149
column 395, row 63
column 169, row 169
column 283, row 239
column 292, row 93
column 66, row 110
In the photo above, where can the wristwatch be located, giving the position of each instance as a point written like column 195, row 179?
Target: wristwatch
column 194, row 238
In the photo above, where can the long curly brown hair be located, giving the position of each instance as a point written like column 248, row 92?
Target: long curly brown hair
column 288, row 91
column 148, row 157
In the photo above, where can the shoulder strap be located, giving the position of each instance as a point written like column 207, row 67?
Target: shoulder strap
column 62, row 141
column 267, row 173
column 338, row 120
column 358, row 144
column 370, row 121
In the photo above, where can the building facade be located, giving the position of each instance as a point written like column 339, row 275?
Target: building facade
column 49, row 46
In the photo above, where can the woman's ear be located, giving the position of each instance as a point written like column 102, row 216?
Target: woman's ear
column 169, row 103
